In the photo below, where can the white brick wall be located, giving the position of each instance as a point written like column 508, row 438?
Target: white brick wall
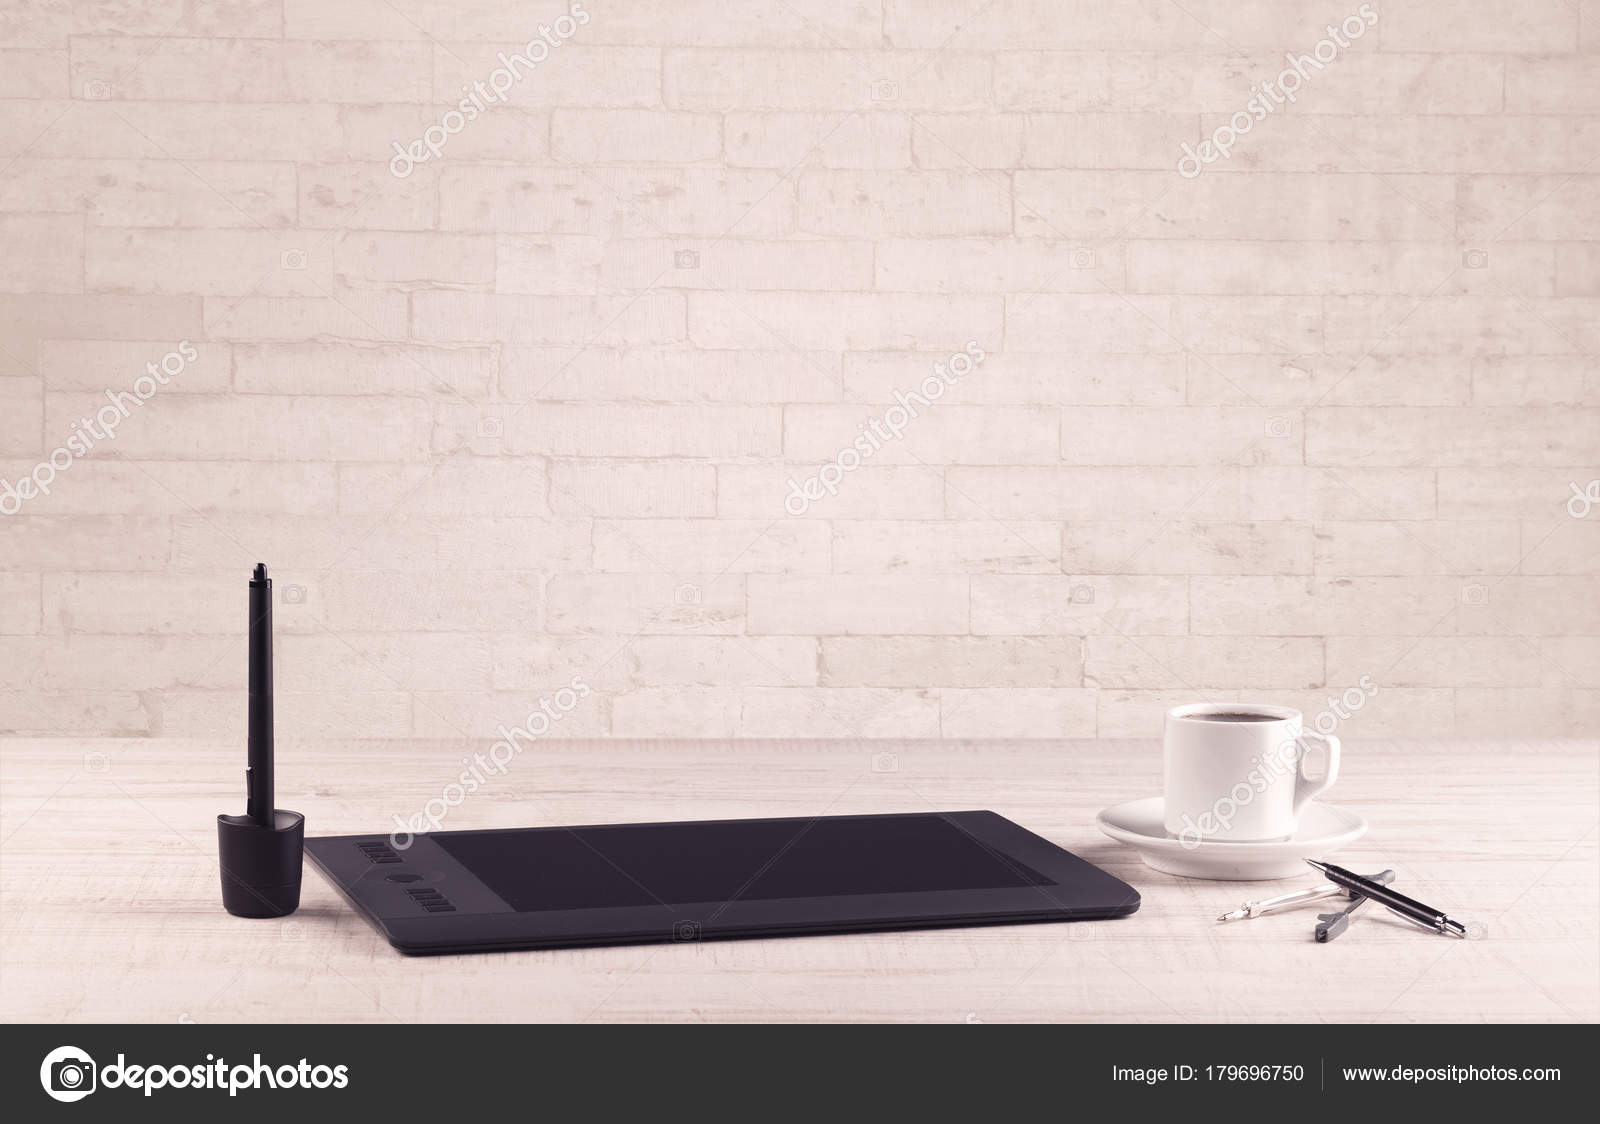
column 533, row 410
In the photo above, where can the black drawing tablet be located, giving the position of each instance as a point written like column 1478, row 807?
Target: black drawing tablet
column 552, row 887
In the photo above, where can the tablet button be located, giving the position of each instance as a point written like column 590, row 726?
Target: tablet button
column 404, row 878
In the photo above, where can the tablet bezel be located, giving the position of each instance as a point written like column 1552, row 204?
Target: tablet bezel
column 483, row 922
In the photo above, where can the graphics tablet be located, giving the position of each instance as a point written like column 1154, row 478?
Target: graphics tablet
column 553, row 887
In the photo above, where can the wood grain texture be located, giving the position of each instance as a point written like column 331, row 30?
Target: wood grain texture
column 111, row 908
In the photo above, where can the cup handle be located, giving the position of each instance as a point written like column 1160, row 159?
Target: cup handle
column 1304, row 787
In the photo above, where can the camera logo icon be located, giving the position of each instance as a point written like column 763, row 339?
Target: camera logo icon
column 294, row 595
column 885, row 89
column 686, row 930
column 1474, row 594
column 96, row 90
column 885, row 763
column 1081, row 595
column 67, row 1074
column 292, row 259
column 1279, row 427
column 1475, row 259
column 1085, row 259
column 686, row 259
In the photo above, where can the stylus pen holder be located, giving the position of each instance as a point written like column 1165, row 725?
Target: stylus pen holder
column 261, row 865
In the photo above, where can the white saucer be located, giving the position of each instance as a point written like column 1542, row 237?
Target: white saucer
column 1324, row 828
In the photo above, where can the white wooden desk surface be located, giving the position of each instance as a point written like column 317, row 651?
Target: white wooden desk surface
column 111, row 912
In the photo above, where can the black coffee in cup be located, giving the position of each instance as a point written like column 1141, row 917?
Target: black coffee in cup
column 1236, row 772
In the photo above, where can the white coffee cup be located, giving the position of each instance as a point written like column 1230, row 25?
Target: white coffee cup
column 1236, row 772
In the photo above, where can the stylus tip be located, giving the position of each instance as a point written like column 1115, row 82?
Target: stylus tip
column 261, row 572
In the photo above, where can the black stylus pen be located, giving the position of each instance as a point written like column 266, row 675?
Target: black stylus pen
column 258, row 771
column 1404, row 906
